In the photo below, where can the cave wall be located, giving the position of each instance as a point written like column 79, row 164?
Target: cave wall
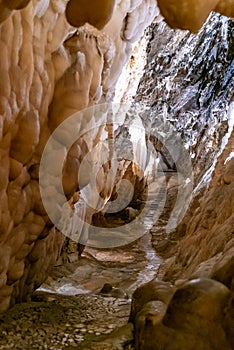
column 189, row 80
column 189, row 304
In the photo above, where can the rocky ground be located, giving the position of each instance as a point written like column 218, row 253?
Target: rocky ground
column 57, row 322
column 69, row 312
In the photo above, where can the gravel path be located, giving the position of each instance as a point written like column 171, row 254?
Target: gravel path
column 57, row 322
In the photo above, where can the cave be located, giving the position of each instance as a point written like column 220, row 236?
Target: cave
column 117, row 174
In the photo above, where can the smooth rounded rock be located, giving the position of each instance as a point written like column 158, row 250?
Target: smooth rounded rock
column 186, row 14
column 96, row 13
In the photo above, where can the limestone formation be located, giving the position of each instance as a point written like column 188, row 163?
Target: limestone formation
column 193, row 319
column 186, row 14
column 15, row 4
column 153, row 290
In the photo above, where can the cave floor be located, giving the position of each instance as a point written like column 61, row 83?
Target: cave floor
column 57, row 322
column 69, row 312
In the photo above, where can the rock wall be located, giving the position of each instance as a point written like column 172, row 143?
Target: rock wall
column 189, row 80
column 195, row 94
column 189, row 304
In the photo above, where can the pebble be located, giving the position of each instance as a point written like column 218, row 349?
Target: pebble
column 65, row 322
column 111, row 326
column 81, row 325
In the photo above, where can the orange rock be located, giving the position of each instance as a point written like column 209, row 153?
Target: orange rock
column 15, row 272
column 15, row 4
column 29, row 130
column 186, row 14
column 225, row 7
column 96, row 13
column 4, row 13
column 15, row 169
column 70, row 176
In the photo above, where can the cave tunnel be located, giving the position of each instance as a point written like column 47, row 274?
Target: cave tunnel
column 117, row 174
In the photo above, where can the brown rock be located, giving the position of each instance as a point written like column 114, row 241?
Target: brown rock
column 15, row 4
column 204, row 298
column 29, row 129
column 152, row 312
column 15, row 169
column 228, row 322
column 223, row 270
column 186, row 14
column 98, row 13
column 151, row 291
column 225, row 7
column 193, row 320
column 228, row 176
column 15, row 272
column 4, row 12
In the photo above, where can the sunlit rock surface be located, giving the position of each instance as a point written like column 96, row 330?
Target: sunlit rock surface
column 189, row 79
